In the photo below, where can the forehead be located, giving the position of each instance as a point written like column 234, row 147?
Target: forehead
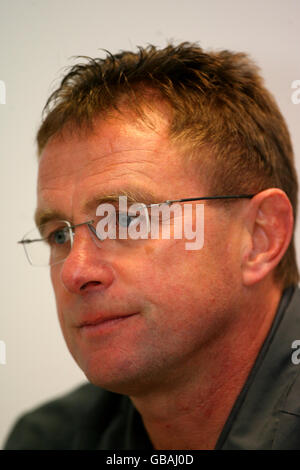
column 111, row 141
column 116, row 155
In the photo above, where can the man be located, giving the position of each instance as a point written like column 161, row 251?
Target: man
column 184, row 349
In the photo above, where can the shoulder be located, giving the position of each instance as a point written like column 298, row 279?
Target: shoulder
column 56, row 424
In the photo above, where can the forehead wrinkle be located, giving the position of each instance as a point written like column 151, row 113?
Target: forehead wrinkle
column 115, row 165
column 116, row 152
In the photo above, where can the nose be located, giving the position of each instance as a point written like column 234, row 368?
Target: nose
column 85, row 269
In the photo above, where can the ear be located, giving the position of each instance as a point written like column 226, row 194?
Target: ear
column 268, row 231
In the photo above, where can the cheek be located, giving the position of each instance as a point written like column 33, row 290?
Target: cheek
column 63, row 304
column 168, row 275
column 61, row 295
column 186, row 285
column 56, row 282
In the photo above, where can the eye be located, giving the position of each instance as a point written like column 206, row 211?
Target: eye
column 124, row 219
column 59, row 237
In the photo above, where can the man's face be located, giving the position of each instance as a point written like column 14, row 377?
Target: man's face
column 136, row 313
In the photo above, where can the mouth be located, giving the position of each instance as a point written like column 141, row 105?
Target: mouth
column 102, row 324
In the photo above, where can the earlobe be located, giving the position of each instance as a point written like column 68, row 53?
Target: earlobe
column 269, row 225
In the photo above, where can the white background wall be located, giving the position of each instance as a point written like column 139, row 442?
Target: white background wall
column 37, row 39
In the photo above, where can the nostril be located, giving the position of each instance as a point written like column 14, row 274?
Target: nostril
column 90, row 284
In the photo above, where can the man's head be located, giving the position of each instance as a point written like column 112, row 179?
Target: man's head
column 216, row 102
column 170, row 124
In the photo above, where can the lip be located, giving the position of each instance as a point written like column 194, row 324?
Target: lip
column 102, row 323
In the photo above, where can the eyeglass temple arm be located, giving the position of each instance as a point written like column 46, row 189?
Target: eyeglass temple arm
column 89, row 223
column 238, row 196
column 31, row 241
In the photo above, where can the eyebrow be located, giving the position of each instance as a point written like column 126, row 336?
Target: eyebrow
column 42, row 216
column 134, row 195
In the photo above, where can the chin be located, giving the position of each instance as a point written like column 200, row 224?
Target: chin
column 125, row 378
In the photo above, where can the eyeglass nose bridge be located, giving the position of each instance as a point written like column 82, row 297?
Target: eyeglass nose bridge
column 89, row 223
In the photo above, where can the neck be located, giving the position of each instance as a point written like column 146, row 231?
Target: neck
column 192, row 410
